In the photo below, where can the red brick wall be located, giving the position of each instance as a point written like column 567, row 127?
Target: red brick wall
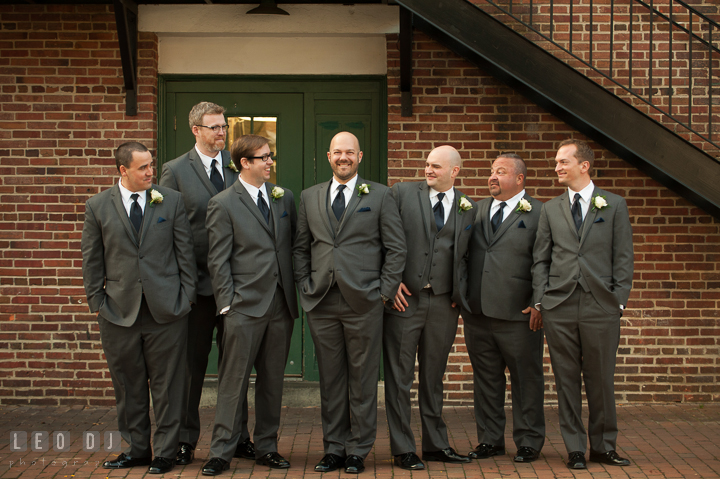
column 62, row 112
column 670, row 345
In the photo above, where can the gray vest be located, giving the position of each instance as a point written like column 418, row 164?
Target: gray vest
column 438, row 270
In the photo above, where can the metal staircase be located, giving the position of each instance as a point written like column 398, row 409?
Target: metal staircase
column 639, row 78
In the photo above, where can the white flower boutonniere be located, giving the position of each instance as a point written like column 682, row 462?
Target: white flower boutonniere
column 277, row 193
column 231, row 166
column 599, row 202
column 363, row 189
column 524, row 206
column 464, row 204
column 156, row 197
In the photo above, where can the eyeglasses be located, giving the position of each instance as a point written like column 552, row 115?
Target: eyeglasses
column 215, row 129
column 269, row 156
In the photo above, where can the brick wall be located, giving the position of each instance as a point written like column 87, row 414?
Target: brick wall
column 62, row 113
column 670, row 344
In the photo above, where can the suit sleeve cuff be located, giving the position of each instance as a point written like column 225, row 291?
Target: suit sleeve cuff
column 538, row 306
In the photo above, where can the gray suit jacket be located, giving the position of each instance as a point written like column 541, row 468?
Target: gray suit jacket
column 117, row 268
column 246, row 254
column 499, row 266
column 602, row 258
column 186, row 174
column 366, row 256
column 413, row 202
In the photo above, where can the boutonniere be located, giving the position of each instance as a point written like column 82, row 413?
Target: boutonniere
column 277, row 193
column 464, row 204
column 231, row 166
column 599, row 202
column 155, row 197
column 363, row 189
column 524, row 206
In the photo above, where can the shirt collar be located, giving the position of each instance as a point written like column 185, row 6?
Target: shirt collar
column 512, row 202
column 253, row 190
column 585, row 193
column 207, row 160
column 350, row 184
column 125, row 194
column 449, row 194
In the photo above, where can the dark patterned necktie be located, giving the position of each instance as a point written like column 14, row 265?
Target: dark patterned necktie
column 577, row 212
column 263, row 207
column 215, row 177
column 497, row 218
column 338, row 205
column 136, row 212
column 439, row 212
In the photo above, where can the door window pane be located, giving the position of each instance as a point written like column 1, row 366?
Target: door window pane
column 265, row 126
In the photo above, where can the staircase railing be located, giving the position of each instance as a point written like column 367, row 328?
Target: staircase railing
column 664, row 53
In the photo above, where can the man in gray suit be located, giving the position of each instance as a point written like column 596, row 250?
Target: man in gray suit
column 502, row 328
column 200, row 174
column 349, row 256
column 139, row 275
column 424, row 315
column 251, row 226
column 582, row 276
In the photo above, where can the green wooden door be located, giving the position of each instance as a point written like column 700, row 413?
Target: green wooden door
column 309, row 112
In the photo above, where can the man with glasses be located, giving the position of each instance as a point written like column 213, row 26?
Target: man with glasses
column 200, row 174
column 139, row 276
column 251, row 226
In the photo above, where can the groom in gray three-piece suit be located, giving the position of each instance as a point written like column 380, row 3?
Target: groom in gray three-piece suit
column 200, row 174
column 349, row 256
column 582, row 276
column 502, row 328
column 139, row 275
column 251, row 226
column 438, row 220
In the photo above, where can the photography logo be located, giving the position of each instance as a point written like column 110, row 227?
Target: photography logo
column 60, row 441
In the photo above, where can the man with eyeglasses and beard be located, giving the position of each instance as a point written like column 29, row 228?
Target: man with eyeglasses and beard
column 200, row 174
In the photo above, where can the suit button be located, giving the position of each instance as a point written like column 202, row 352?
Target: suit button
column 330, row 271
column 274, row 274
column 489, row 251
column 139, row 281
column 426, row 253
column 436, row 251
column 336, row 246
column 579, row 255
column 419, row 276
column 141, row 256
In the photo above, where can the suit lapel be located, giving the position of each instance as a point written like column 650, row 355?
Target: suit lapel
column 426, row 209
column 505, row 225
column 589, row 218
column 199, row 169
column 485, row 218
column 122, row 214
column 274, row 207
column 355, row 199
column 462, row 221
column 147, row 217
column 229, row 176
column 250, row 205
column 323, row 206
column 565, row 207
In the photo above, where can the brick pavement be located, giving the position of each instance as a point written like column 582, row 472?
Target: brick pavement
column 661, row 440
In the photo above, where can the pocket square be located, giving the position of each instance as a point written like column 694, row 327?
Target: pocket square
column 284, row 214
column 468, row 227
column 362, row 210
column 599, row 220
column 161, row 219
column 522, row 224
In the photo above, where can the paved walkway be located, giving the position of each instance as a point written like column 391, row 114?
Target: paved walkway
column 662, row 441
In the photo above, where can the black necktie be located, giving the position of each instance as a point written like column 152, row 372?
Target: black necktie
column 439, row 212
column 263, row 207
column 496, row 220
column 338, row 205
column 577, row 212
column 216, row 177
column 135, row 212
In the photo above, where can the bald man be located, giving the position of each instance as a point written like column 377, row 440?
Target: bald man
column 424, row 316
column 349, row 256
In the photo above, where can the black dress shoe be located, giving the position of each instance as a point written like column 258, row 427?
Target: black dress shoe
column 483, row 451
column 123, row 461
column 215, row 466
column 577, row 461
column 329, row 463
column 409, row 461
column 185, row 454
column 245, row 450
column 354, row 464
column 161, row 465
column 526, row 454
column 611, row 458
column 274, row 460
column 446, row 455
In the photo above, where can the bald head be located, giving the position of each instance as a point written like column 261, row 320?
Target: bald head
column 344, row 156
column 441, row 168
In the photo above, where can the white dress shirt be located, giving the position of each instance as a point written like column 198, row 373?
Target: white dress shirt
column 510, row 205
column 348, row 192
column 253, row 190
column 207, row 162
column 447, row 201
column 127, row 201
column 585, row 197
